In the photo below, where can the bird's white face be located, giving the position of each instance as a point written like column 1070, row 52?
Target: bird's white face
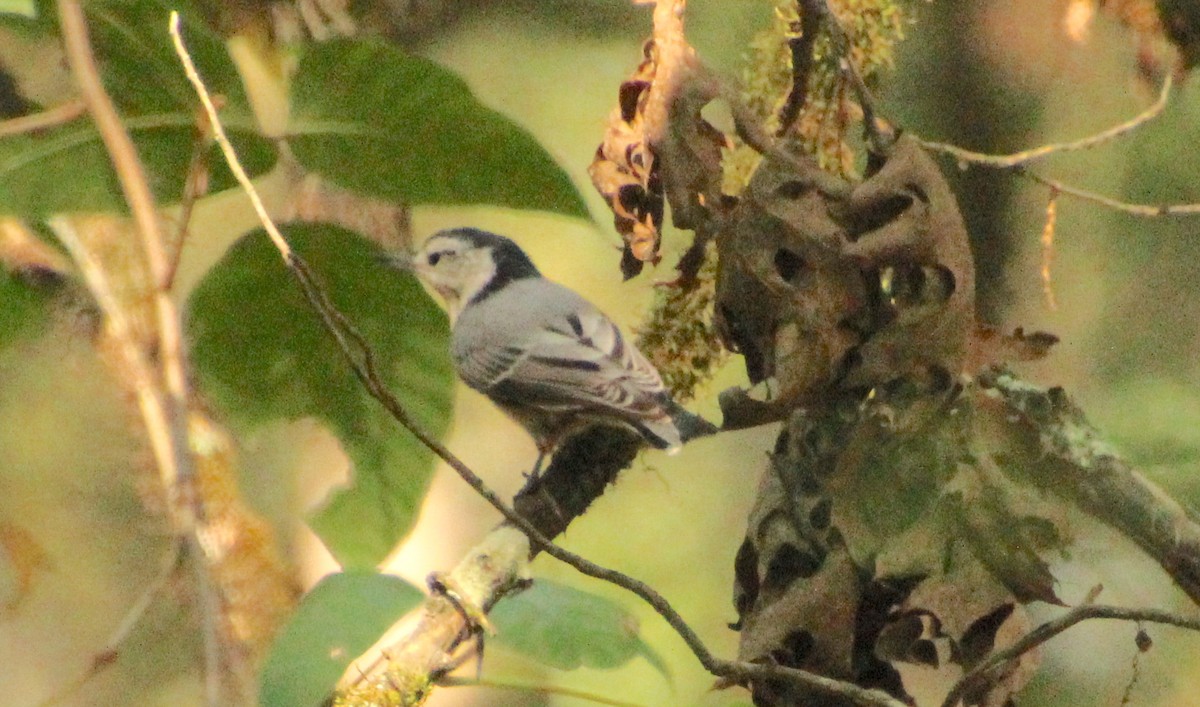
column 454, row 268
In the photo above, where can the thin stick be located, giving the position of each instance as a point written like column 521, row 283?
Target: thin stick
column 110, row 652
column 195, row 185
column 1048, row 230
column 49, row 118
column 1143, row 210
column 231, row 158
column 365, row 370
column 171, row 450
column 1019, row 161
column 165, row 415
column 1037, row 153
column 1052, row 628
column 801, row 49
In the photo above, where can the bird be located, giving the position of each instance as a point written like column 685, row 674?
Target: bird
column 539, row 351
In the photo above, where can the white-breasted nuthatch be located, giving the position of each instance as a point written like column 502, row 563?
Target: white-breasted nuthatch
column 546, row 356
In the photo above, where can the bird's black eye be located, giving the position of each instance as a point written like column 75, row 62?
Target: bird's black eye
column 434, row 258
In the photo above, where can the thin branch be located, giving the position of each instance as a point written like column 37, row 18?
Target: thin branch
column 195, row 185
column 1135, row 667
column 802, row 61
column 164, row 413
column 231, row 158
column 1019, row 161
column 49, row 118
column 1050, row 629
column 105, row 657
column 1037, row 153
column 1048, row 230
column 1143, row 210
column 674, row 58
column 362, row 361
column 169, row 440
column 149, row 394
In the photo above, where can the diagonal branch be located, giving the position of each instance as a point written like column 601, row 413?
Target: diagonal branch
column 49, row 118
column 1023, row 157
column 1018, row 162
column 1143, row 210
column 980, row 673
column 171, row 446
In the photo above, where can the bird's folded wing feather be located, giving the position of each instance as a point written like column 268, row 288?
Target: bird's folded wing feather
column 574, row 362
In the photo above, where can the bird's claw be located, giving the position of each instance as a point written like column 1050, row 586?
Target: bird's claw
column 443, row 585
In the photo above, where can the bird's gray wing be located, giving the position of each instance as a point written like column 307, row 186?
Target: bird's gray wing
column 574, row 362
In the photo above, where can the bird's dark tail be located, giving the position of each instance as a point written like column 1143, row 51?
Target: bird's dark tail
column 690, row 425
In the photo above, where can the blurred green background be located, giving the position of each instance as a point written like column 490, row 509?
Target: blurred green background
column 996, row 76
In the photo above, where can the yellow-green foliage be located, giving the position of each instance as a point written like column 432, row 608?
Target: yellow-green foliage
column 678, row 336
column 391, row 690
column 873, row 28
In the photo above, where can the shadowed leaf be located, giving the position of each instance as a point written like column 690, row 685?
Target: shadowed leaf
column 262, row 355
column 567, row 628
column 66, row 168
column 337, row 620
column 24, row 307
column 381, row 122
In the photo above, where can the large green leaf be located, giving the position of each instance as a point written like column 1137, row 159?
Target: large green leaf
column 66, row 168
column 262, row 355
column 376, row 120
column 567, row 628
column 337, row 620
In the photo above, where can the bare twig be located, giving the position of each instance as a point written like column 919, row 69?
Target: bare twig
column 1135, row 667
column 802, row 61
column 1143, row 210
column 361, row 359
column 162, row 392
column 105, row 657
column 1048, row 230
column 169, row 434
column 49, row 118
column 1026, row 156
column 1018, row 162
column 1052, row 628
column 195, row 185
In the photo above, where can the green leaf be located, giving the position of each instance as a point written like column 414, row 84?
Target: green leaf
column 67, row 168
column 262, row 355
column 337, row 620
column 376, row 120
column 26, row 8
column 566, row 628
column 140, row 68
column 24, row 306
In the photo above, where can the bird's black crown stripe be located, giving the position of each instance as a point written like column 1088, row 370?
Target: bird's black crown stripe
column 511, row 262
